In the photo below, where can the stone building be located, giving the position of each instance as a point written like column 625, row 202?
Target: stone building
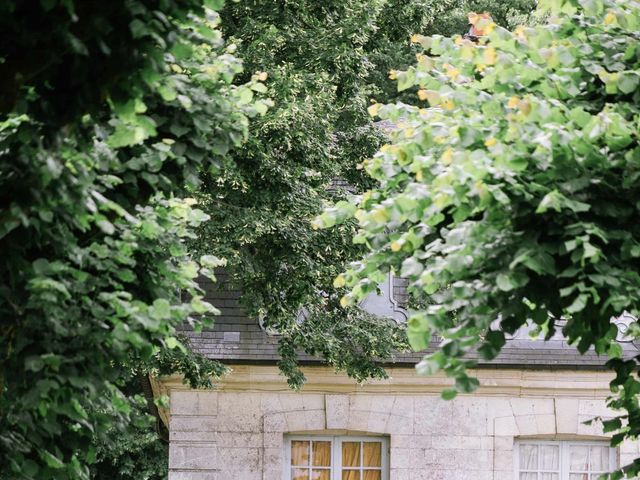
column 525, row 422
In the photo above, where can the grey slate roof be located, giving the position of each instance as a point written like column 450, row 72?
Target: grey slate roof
column 236, row 338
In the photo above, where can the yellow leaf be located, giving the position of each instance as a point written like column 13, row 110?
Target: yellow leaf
column 447, row 156
column 339, row 281
column 422, row 94
column 415, row 38
column 490, row 56
column 488, row 28
column 603, row 75
column 490, row 142
column 380, row 215
column 466, row 52
column 433, row 97
column 344, row 302
column 513, row 102
column 393, row 74
column 448, row 104
column 439, row 139
column 473, row 17
column 480, row 67
column 524, row 107
column 374, row 109
column 396, row 245
column 419, row 175
column 520, row 32
column 408, row 133
column 452, row 72
column 609, row 18
column 262, row 76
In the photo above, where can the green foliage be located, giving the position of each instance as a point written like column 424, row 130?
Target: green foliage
column 388, row 49
column 96, row 149
column 510, row 191
column 315, row 58
column 325, row 61
column 138, row 453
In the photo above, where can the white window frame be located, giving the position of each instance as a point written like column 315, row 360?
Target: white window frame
column 336, row 452
column 564, row 454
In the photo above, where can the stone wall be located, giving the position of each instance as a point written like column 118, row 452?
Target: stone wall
column 238, row 435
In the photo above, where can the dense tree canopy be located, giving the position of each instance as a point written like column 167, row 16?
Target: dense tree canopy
column 325, row 62
column 110, row 112
column 509, row 193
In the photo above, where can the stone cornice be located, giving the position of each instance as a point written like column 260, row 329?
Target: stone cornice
column 404, row 381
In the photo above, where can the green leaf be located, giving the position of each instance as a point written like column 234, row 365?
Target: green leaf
column 167, row 92
column 138, row 28
column 578, row 304
column 505, row 282
column 449, row 393
column 51, row 460
column 467, row 384
column 259, row 87
column 182, row 51
column 628, row 81
column 214, row 4
column 161, row 309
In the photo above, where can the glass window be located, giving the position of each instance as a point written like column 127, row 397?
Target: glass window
column 563, row 460
column 336, row 458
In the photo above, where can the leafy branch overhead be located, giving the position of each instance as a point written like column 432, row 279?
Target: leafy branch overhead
column 97, row 213
column 509, row 192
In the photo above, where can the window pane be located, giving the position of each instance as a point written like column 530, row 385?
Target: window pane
column 321, row 475
column 372, row 475
column 351, row 475
column 350, row 454
column 549, row 457
column 579, row 459
column 299, row 453
column 529, row 458
column 549, row 476
column 579, row 476
column 299, row 474
column 321, row 454
column 372, row 454
column 599, row 459
column 528, row 476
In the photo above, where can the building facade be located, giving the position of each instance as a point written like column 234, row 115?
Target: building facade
column 525, row 422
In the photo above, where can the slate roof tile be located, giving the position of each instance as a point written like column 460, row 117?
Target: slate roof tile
column 254, row 344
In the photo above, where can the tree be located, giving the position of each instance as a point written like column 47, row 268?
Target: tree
column 325, row 61
column 109, row 112
column 509, row 193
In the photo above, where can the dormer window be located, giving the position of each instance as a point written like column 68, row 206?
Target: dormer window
column 390, row 301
